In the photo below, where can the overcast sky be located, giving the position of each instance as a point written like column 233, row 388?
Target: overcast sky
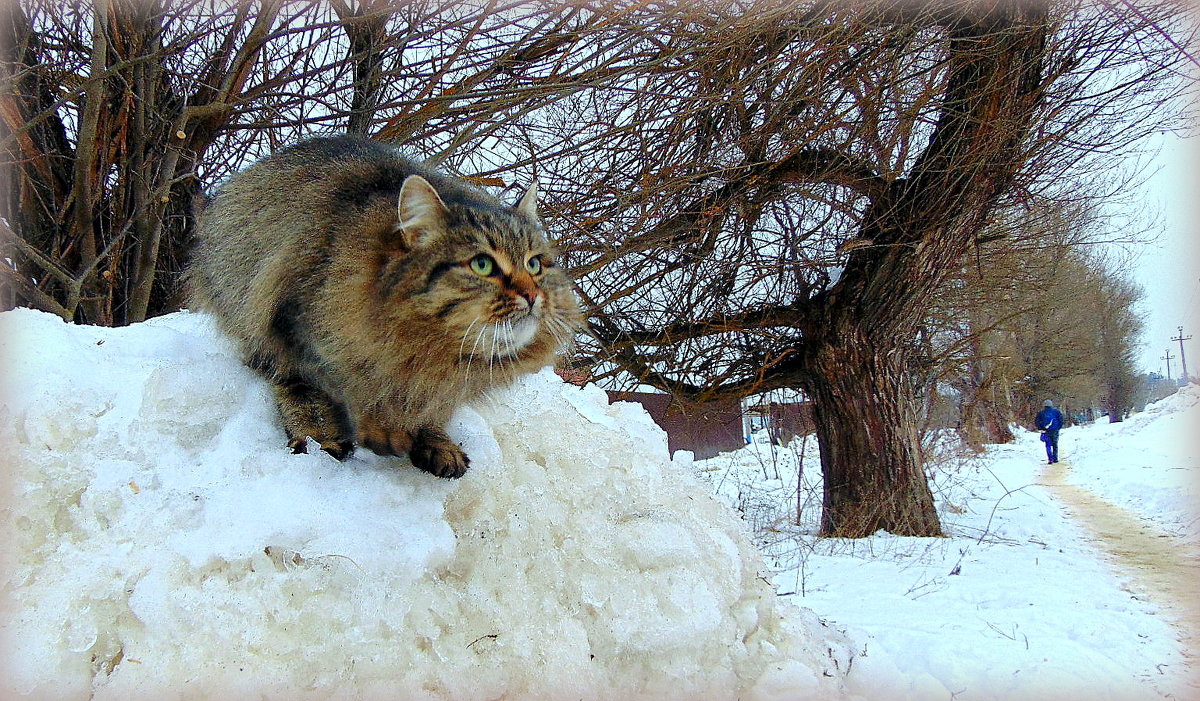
column 1168, row 269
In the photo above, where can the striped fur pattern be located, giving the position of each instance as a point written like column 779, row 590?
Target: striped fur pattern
column 377, row 295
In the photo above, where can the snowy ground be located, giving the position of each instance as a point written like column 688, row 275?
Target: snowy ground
column 1016, row 603
column 1147, row 464
column 166, row 545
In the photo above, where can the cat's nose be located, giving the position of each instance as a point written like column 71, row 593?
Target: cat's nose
column 525, row 289
column 529, row 297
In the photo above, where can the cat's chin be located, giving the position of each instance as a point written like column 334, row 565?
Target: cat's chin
column 503, row 339
column 521, row 333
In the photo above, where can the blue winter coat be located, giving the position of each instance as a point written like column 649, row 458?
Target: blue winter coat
column 1049, row 419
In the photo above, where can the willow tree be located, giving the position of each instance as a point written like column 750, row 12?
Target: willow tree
column 776, row 206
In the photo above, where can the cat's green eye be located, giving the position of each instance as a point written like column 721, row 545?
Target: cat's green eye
column 534, row 265
column 483, row 265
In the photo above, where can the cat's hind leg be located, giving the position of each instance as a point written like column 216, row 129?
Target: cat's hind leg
column 381, row 439
column 429, row 448
column 307, row 411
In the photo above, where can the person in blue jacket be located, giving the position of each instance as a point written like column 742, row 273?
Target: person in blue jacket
column 1049, row 420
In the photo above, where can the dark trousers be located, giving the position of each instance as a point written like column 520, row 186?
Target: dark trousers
column 1050, row 438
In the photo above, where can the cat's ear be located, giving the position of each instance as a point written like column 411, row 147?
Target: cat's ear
column 528, row 204
column 419, row 211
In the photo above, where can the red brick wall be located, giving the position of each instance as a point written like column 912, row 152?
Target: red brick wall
column 791, row 420
column 706, row 429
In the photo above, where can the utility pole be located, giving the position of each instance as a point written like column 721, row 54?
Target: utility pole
column 1168, row 357
column 1182, row 358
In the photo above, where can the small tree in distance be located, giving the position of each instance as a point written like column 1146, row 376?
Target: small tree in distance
column 1118, row 329
column 1022, row 320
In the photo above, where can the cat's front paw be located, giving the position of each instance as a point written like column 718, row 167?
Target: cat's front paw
column 434, row 452
column 340, row 450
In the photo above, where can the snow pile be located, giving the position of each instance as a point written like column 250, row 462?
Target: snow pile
column 1149, row 463
column 166, row 544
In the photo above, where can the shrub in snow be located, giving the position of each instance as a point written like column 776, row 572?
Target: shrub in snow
column 166, row 544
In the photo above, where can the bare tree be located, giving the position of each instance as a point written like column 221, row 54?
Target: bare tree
column 103, row 136
column 117, row 113
column 1118, row 331
column 1015, row 317
column 777, row 207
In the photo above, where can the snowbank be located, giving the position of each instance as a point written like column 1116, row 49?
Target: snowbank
column 166, row 544
column 1017, row 602
column 1148, row 464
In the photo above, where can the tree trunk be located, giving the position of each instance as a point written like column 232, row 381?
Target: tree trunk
column 995, row 424
column 366, row 29
column 866, row 419
column 858, row 337
column 984, row 418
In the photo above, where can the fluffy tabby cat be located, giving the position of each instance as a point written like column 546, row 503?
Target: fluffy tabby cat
column 376, row 295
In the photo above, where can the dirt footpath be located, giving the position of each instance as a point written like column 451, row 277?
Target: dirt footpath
column 1162, row 568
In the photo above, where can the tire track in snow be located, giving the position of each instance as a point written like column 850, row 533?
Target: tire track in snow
column 1163, row 569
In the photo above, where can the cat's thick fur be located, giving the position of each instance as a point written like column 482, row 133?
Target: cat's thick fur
column 376, row 295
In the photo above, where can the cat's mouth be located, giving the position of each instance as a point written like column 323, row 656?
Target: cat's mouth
column 503, row 338
column 519, row 333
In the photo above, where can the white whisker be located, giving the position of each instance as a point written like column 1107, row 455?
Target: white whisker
column 478, row 338
column 492, row 357
column 551, row 327
column 467, row 333
column 509, row 342
column 501, row 338
column 559, row 330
